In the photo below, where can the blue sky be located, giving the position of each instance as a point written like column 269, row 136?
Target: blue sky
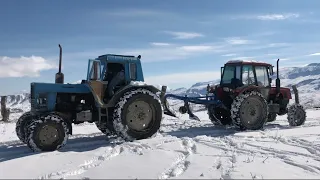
column 181, row 41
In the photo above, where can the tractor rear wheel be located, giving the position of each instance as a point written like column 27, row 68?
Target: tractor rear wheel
column 137, row 115
column 20, row 125
column 249, row 111
column 296, row 115
column 47, row 133
column 272, row 117
column 219, row 116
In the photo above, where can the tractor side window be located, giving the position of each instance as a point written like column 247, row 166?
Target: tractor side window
column 228, row 74
column 133, row 71
column 96, row 71
column 262, row 76
column 247, row 75
column 238, row 72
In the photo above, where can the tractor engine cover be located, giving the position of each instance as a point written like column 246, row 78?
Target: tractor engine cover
column 84, row 116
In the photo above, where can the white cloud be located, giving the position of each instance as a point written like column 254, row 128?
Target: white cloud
column 23, row 66
column 180, row 78
column 237, row 41
column 184, row 35
column 269, row 17
column 228, row 55
column 278, row 44
column 160, row 44
column 196, row 48
column 277, row 16
column 131, row 12
column 314, row 54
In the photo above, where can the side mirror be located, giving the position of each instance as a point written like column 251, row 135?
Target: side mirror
column 221, row 71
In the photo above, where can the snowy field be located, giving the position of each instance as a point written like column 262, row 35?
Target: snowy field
column 184, row 149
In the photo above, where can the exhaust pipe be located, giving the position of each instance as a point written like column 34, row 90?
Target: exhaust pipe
column 59, row 74
column 278, row 79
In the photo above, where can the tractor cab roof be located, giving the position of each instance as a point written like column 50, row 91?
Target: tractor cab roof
column 116, row 57
column 247, row 62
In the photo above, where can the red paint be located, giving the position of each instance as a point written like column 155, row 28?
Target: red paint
column 284, row 91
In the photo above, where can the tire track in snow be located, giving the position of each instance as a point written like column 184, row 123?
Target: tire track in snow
column 132, row 147
column 182, row 163
column 92, row 163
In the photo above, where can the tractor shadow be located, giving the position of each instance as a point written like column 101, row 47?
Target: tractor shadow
column 219, row 131
column 210, row 131
column 16, row 149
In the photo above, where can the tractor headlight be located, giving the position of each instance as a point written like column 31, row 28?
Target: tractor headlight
column 226, row 89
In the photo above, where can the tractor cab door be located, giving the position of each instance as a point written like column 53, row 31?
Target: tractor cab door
column 262, row 79
column 95, row 81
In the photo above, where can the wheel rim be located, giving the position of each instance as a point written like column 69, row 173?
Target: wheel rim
column 48, row 135
column 250, row 111
column 139, row 115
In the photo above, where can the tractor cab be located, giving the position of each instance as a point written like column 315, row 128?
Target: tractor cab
column 239, row 73
column 109, row 73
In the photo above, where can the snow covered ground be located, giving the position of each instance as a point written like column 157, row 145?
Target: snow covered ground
column 183, row 149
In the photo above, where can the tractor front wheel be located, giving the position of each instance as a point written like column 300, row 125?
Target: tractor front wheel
column 20, row 125
column 47, row 133
column 296, row 115
column 137, row 115
column 249, row 111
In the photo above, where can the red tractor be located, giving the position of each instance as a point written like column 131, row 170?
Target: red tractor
column 245, row 97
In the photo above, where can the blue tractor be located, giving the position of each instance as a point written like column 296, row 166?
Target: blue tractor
column 113, row 96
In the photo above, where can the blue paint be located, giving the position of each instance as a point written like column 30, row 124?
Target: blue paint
column 206, row 100
column 63, row 88
column 51, row 101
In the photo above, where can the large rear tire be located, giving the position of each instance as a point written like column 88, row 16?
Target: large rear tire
column 249, row 111
column 296, row 115
column 20, row 125
column 137, row 115
column 47, row 133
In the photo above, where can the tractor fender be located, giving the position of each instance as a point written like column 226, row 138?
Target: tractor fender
column 244, row 89
column 130, row 87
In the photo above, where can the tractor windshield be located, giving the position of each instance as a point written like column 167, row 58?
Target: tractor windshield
column 231, row 74
column 228, row 74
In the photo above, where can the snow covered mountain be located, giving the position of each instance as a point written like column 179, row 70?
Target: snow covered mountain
column 307, row 79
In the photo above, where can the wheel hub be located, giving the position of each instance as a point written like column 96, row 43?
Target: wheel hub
column 250, row 111
column 48, row 135
column 139, row 115
column 298, row 115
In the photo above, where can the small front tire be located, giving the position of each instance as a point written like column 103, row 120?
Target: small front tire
column 296, row 115
column 20, row 125
column 47, row 133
